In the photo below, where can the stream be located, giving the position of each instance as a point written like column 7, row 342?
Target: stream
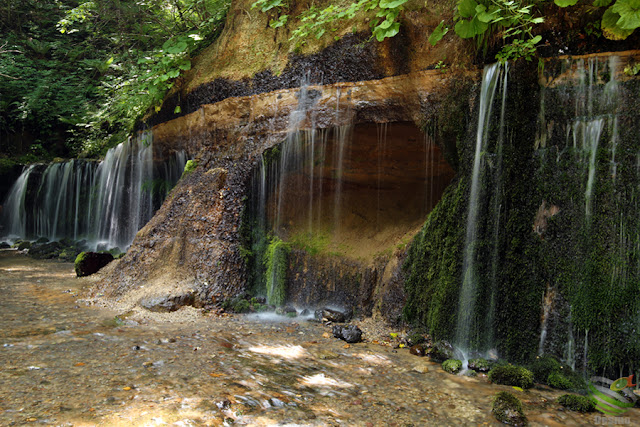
column 66, row 363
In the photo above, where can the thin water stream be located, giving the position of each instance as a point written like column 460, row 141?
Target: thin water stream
column 64, row 363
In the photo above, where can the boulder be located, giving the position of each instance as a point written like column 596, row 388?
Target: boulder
column 349, row 333
column 329, row 315
column 24, row 245
column 508, row 409
column 88, row 263
column 479, row 365
column 441, row 351
column 166, row 304
column 4, row 245
column 48, row 250
column 417, row 350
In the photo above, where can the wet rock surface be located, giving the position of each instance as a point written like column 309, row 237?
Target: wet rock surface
column 65, row 363
column 349, row 333
column 89, row 263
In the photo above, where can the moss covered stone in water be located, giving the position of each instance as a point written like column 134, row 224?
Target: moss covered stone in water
column 559, row 381
column 452, row 366
column 549, row 370
column 511, row 375
column 577, row 403
column 508, row 409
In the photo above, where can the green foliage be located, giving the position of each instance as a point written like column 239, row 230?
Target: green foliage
column 514, row 20
column 452, row 366
column 577, row 403
column 438, row 33
column 276, row 261
column 267, row 5
column 82, row 72
column 508, row 409
column 559, row 381
column 512, row 375
column 619, row 21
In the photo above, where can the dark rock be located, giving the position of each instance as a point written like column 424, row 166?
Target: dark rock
column 88, row 263
column 349, row 333
column 418, row 350
column 165, row 304
column 305, row 312
column 329, row 315
column 4, row 245
column 46, row 250
column 441, row 351
column 24, row 245
column 67, row 242
column 42, row 240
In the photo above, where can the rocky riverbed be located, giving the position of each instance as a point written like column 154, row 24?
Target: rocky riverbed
column 64, row 362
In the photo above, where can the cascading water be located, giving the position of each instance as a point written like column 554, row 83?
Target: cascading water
column 104, row 203
column 467, row 327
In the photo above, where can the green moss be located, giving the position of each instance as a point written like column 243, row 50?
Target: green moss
column 189, row 167
column 577, row 403
column 508, row 409
column 311, row 243
column 559, row 381
column 543, row 366
column 277, row 263
column 77, row 263
column 480, row 364
column 512, row 375
column 452, row 366
column 237, row 305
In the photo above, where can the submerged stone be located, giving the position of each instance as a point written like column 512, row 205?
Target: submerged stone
column 508, row 409
column 349, row 333
column 88, row 263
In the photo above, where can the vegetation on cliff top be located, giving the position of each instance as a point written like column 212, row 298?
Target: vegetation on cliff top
column 75, row 75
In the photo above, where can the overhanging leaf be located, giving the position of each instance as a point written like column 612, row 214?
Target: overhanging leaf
column 629, row 11
column 468, row 29
column 391, row 4
column 565, row 3
column 438, row 33
column 467, row 8
column 610, row 28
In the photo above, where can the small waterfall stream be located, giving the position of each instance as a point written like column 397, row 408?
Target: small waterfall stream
column 104, row 203
column 467, row 328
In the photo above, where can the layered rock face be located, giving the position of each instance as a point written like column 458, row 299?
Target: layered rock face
column 391, row 176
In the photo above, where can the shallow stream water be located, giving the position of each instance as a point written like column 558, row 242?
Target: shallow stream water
column 64, row 363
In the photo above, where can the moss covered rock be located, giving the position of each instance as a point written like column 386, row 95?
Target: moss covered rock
column 479, row 365
column 88, row 263
column 508, row 409
column 452, row 366
column 511, row 375
column 577, row 403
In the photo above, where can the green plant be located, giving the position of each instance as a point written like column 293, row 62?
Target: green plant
column 577, row 403
column 619, row 20
column 511, row 375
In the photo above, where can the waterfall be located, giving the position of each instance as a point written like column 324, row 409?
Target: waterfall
column 104, row 203
column 468, row 292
